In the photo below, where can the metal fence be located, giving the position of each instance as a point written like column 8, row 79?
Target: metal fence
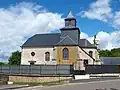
column 56, row 70
column 37, row 70
column 100, row 69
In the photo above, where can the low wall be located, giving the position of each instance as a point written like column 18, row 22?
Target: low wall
column 36, row 78
column 3, row 79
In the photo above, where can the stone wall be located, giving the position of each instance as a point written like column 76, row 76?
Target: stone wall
column 36, row 78
column 3, row 79
column 39, row 55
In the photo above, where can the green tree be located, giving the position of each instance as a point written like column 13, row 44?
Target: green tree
column 1, row 63
column 110, row 53
column 105, row 53
column 115, row 52
column 15, row 58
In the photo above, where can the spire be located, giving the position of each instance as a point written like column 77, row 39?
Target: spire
column 70, row 15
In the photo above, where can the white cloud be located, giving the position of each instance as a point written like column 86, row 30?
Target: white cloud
column 24, row 20
column 116, row 19
column 83, row 35
column 101, row 10
column 106, row 40
column 98, row 10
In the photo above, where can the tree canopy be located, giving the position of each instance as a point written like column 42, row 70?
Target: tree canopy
column 1, row 63
column 15, row 58
column 110, row 53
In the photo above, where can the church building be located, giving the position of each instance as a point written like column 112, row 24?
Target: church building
column 65, row 47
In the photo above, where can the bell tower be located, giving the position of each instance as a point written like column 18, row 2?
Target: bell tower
column 70, row 21
column 70, row 31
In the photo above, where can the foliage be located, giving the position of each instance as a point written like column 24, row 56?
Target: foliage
column 15, row 58
column 31, row 83
column 53, row 83
column 110, row 53
column 1, row 63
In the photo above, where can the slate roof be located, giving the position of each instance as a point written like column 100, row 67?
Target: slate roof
column 67, row 41
column 85, row 43
column 40, row 40
column 46, row 40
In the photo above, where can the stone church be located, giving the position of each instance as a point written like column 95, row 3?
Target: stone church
column 60, row 48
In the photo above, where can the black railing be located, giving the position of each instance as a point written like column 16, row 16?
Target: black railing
column 45, row 70
column 100, row 69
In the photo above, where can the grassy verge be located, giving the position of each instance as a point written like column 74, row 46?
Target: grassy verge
column 32, row 83
column 40, row 83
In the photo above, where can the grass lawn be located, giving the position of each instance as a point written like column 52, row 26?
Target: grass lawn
column 41, row 83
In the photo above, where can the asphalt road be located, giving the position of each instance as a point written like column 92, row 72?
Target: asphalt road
column 10, row 87
column 94, row 84
column 94, row 79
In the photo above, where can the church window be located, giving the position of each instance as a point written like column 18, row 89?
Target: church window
column 32, row 53
column 47, row 56
column 91, row 53
column 65, row 54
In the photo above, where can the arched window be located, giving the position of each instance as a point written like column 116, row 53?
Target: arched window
column 91, row 53
column 47, row 56
column 65, row 54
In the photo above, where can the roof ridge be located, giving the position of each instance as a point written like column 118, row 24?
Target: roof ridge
column 47, row 33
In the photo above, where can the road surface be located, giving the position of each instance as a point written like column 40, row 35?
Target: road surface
column 95, row 85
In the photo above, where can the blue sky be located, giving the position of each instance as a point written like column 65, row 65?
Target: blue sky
column 21, row 19
column 88, row 26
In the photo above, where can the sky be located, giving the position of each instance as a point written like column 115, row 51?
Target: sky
column 21, row 19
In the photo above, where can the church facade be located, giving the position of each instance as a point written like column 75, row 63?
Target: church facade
column 60, row 48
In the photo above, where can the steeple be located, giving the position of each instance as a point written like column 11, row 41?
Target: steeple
column 70, row 21
column 70, row 15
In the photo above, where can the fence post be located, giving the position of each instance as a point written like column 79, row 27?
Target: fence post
column 59, row 71
column 0, row 68
column 40, row 70
column 19, row 69
column 30, row 69
column 56, row 69
column 9, row 69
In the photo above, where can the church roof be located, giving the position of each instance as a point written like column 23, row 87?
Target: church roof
column 70, row 15
column 42, row 40
column 66, row 41
column 85, row 43
column 47, row 40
